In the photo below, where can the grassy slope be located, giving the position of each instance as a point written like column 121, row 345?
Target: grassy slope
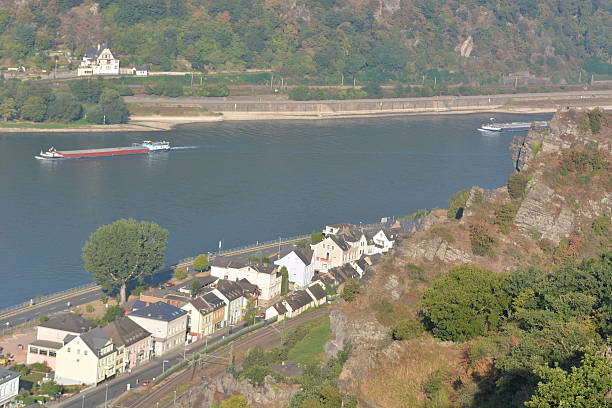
column 307, row 349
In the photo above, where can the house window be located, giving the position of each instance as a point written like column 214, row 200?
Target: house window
column 34, row 350
column 52, row 353
column 69, row 349
column 85, row 352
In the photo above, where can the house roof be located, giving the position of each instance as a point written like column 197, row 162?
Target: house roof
column 159, row 311
column 317, row 291
column 213, row 300
column 223, row 262
column 69, row 322
column 141, row 68
column 47, row 344
column 248, row 287
column 7, row 375
column 362, row 264
column 261, row 267
column 298, row 299
column 280, row 308
column 305, row 255
column 125, row 332
column 340, row 242
column 231, row 290
column 95, row 339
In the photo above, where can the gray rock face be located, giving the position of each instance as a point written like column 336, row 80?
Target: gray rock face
column 545, row 212
column 269, row 393
column 437, row 249
column 337, row 321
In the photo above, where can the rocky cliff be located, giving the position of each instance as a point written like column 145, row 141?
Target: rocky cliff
column 543, row 217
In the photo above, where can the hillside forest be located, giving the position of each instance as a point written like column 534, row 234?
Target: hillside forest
column 476, row 42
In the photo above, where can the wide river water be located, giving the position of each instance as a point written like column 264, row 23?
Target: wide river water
column 236, row 182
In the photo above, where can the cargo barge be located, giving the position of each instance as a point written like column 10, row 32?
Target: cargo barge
column 137, row 148
column 494, row 127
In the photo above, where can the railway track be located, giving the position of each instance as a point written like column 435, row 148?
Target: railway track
column 215, row 363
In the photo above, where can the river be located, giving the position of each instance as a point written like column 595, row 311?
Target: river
column 231, row 182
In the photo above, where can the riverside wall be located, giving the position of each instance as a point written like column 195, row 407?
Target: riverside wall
column 406, row 105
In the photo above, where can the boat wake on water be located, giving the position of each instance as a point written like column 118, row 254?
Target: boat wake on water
column 185, row 147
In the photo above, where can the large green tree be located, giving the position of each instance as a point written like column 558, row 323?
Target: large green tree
column 201, row 263
column 466, row 303
column 123, row 251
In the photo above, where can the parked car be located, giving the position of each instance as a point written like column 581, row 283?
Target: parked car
column 168, row 284
column 261, row 315
column 145, row 383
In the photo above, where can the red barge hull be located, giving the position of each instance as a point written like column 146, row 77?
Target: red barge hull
column 115, row 151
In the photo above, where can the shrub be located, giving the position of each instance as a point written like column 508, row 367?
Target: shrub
column 418, row 214
column 517, row 183
column 583, row 161
column 504, row 215
column 406, row 329
column 546, row 245
column 456, row 204
column 90, row 309
column 180, row 273
column 316, row 237
column 481, row 240
column 602, row 226
column 595, row 117
column 111, row 314
column 443, row 234
column 351, row 289
column 43, row 318
column 218, row 90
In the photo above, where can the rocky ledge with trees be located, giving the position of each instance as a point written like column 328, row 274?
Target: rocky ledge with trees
column 502, row 300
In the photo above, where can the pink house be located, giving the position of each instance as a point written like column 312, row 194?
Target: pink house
column 50, row 337
column 134, row 344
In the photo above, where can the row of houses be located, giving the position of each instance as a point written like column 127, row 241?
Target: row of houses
column 81, row 352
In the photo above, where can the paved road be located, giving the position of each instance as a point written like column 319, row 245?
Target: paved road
column 141, row 397
column 272, row 100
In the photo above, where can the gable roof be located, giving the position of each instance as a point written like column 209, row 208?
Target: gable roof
column 298, row 299
column 95, row 339
column 317, row 291
column 231, row 290
column 159, row 311
column 304, row 254
column 224, row 262
column 125, row 332
column 340, row 242
column 280, row 308
column 248, row 287
column 213, row 300
column 69, row 322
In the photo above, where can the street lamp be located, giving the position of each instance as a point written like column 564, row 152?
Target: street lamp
column 164, row 366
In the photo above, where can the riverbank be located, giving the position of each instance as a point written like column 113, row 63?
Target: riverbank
column 162, row 114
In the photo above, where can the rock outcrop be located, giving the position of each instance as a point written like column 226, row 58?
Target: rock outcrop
column 269, row 393
column 436, row 249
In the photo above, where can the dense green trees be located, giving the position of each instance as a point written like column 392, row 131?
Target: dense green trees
column 64, row 108
column 468, row 302
column 326, row 40
column 110, row 109
column 123, row 251
column 540, row 324
column 587, row 385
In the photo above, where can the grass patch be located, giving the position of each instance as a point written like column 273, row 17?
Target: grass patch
column 151, row 109
column 306, row 350
column 443, row 234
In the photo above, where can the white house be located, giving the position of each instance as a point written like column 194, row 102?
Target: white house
column 300, row 265
column 381, row 242
column 86, row 359
column 298, row 302
column 140, row 70
column 233, row 296
column 167, row 323
column 9, row 386
column 276, row 310
column 265, row 276
column 98, row 61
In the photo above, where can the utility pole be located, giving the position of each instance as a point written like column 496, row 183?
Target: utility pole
column 106, row 395
column 191, row 86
